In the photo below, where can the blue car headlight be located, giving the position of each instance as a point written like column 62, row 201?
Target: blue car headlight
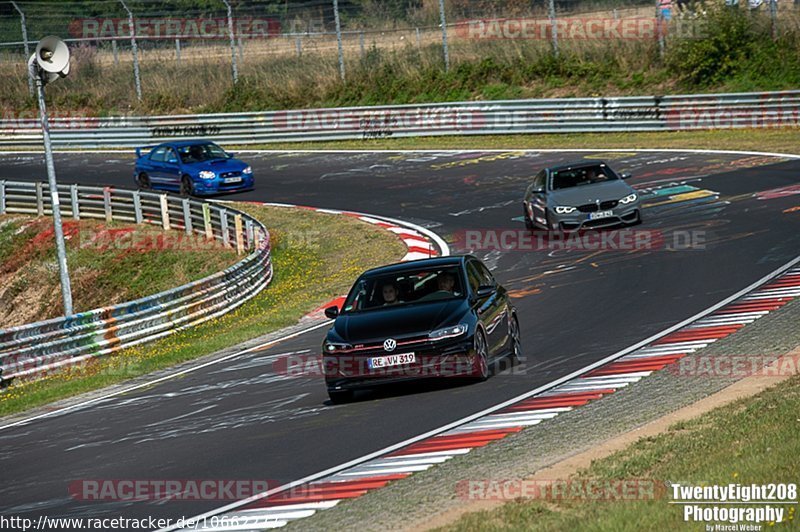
column 630, row 198
column 248, row 171
column 448, row 332
column 563, row 209
column 207, row 174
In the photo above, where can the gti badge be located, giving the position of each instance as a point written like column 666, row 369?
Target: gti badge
column 389, row 345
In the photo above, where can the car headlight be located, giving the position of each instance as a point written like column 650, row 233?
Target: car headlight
column 448, row 332
column 247, row 171
column 207, row 174
column 563, row 209
column 629, row 199
column 332, row 347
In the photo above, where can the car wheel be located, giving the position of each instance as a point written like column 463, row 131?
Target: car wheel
column 340, row 396
column 143, row 180
column 481, row 364
column 516, row 346
column 549, row 222
column 528, row 222
column 187, row 187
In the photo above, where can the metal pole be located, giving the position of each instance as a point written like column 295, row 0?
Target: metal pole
column 25, row 43
column 419, row 38
column 299, row 46
column 135, row 51
column 115, row 52
column 339, row 36
column 234, row 67
column 553, row 26
column 443, row 20
column 66, row 290
column 361, row 43
column 240, row 45
column 660, row 28
column 773, row 13
column 178, row 51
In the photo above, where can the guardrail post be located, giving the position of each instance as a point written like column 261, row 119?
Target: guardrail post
column 137, row 207
column 249, row 233
column 2, row 197
column 39, row 200
column 107, row 204
column 237, row 222
column 164, row 212
column 207, row 221
column 187, row 216
column 223, row 216
column 76, row 208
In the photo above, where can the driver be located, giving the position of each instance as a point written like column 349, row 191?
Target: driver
column 446, row 282
column 390, row 294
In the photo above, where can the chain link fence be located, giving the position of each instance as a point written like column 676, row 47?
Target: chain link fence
column 238, row 35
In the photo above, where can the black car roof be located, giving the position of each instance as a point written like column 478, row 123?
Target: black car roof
column 451, row 260
column 577, row 164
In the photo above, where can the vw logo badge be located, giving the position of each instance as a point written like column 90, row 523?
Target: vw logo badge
column 389, row 344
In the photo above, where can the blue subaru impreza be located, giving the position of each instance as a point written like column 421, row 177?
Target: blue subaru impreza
column 191, row 167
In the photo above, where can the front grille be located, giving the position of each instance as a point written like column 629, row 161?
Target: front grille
column 593, row 207
column 230, row 174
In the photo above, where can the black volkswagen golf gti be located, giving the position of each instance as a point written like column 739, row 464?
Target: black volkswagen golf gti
column 440, row 317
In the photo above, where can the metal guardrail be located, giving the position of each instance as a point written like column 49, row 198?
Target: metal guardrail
column 38, row 347
column 573, row 115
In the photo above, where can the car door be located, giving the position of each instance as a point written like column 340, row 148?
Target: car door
column 491, row 309
column 536, row 199
column 172, row 168
column 156, row 171
column 500, row 305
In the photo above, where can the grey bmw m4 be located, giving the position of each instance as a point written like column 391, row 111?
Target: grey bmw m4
column 585, row 195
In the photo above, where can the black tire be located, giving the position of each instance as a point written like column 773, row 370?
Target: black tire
column 549, row 222
column 339, row 397
column 528, row 222
column 143, row 180
column 481, row 365
column 187, row 187
column 515, row 354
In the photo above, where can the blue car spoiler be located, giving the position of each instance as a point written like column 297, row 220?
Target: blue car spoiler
column 140, row 148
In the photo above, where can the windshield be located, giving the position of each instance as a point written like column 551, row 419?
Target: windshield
column 585, row 175
column 405, row 287
column 197, row 153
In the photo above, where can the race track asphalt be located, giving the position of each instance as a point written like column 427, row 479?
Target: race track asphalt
column 244, row 420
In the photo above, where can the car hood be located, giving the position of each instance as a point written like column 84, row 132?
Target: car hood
column 611, row 190
column 218, row 165
column 393, row 322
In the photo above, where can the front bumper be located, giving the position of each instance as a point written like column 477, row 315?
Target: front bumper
column 621, row 215
column 204, row 187
column 349, row 371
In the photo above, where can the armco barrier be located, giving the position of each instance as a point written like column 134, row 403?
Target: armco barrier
column 38, row 347
column 573, row 115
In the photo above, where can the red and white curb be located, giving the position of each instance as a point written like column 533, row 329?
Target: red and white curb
column 274, row 510
column 421, row 243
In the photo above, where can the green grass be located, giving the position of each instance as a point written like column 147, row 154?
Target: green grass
column 314, row 259
column 104, row 269
column 736, row 53
column 751, row 441
column 784, row 140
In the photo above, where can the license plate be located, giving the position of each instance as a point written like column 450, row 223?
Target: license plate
column 391, row 360
column 601, row 214
column 233, row 179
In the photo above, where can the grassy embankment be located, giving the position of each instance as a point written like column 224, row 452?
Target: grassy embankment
column 314, row 260
column 736, row 53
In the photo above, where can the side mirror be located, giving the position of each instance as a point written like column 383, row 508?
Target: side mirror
column 485, row 291
column 626, row 176
column 332, row 312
